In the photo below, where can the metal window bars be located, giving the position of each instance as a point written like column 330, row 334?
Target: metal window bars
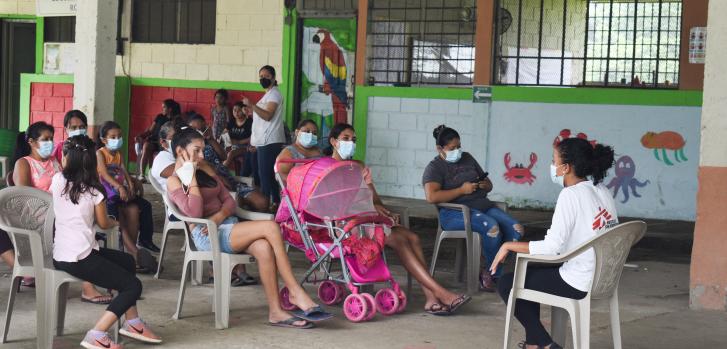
column 613, row 43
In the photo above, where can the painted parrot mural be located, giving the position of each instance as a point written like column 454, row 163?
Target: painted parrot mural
column 333, row 67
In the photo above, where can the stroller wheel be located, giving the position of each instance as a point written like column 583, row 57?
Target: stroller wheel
column 387, row 301
column 285, row 300
column 329, row 293
column 371, row 303
column 402, row 302
column 355, row 308
column 341, row 293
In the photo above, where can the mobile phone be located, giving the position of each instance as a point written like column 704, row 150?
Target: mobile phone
column 484, row 176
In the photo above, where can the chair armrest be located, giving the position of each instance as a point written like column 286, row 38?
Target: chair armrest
column 501, row 205
column 253, row 216
column 523, row 259
column 465, row 213
column 403, row 213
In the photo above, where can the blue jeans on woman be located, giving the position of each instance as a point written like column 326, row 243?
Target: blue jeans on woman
column 483, row 223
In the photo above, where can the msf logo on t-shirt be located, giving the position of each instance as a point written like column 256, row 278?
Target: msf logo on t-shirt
column 603, row 219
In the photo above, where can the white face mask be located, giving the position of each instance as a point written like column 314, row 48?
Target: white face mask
column 453, row 156
column 346, row 149
column 77, row 132
column 169, row 144
column 559, row 180
column 307, row 139
column 186, row 173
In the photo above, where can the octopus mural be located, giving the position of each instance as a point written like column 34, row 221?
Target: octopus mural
column 625, row 179
column 663, row 141
column 520, row 174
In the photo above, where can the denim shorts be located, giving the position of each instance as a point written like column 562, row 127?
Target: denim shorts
column 202, row 241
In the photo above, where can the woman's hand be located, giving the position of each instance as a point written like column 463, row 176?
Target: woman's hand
column 383, row 211
column 499, row 257
column 184, row 157
column 123, row 193
column 468, row 188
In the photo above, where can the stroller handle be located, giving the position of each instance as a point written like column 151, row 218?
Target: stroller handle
column 378, row 219
column 291, row 161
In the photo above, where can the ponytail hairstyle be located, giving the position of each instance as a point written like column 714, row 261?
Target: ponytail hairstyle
column 443, row 135
column 75, row 113
column 333, row 134
column 105, row 128
column 586, row 159
column 34, row 131
column 80, row 168
column 181, row 139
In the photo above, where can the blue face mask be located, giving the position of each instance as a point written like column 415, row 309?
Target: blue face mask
column 346, row 149
column 77, row 132
column 307, row 139
column 45, row 149
column 114, row 144
column 453, row 156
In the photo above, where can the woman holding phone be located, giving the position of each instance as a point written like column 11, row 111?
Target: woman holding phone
column 455, row 177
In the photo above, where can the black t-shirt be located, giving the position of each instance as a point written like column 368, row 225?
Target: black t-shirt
column 158, row 122
column 453, row 175
column 240, row 132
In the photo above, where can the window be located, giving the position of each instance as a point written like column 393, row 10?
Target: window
column 615, row 43
column 174, row 21
column 59, row 29
column 425, row 42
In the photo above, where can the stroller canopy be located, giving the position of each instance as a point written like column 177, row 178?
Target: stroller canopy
column 330, row 190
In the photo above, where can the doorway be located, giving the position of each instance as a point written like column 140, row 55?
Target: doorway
column 17, row 56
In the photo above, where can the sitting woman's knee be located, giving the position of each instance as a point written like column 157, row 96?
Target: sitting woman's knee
column 494, row 231
column 262, row 251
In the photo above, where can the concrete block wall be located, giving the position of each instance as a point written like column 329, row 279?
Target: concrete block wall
column 17, row 7
column 249, row 35
column 49, row 103
column 400, row 142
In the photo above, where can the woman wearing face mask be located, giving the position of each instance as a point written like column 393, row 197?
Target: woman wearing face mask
column 305, row 147
column 75, row 123
column 268, row 134
column 455, row 177
column 198, row 192
column 239, row 129
column 439, row 301
column 580, row 168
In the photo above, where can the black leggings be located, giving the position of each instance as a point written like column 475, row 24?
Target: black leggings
column 266, row 156
column 544, row 279
column 146, row 221
column 108, row 269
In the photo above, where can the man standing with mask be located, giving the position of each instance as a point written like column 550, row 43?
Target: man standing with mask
column 268, row 134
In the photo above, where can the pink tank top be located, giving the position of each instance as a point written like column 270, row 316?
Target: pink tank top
column 42, row 172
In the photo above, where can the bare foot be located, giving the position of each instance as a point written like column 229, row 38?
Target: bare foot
column 447, row 298
column 301, row 299
column 279, row 316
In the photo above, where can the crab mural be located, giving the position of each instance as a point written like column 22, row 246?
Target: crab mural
column 566, row 133
column 520, row 174
column 667, row 140
column 625, row 179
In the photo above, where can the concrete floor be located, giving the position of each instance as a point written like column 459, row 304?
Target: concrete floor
column 654, row 312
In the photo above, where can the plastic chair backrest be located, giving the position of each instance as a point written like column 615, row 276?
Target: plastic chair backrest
column 28, row 209
column 9, row 179
column 172, row 209
column 612, row 248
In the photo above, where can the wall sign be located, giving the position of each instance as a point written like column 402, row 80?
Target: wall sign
column 48, row 8
column 481, row 94
column 697, row 45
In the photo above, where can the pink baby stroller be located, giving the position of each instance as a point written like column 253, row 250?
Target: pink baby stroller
column 327, row 212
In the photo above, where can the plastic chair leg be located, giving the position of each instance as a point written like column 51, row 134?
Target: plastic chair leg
column 164, row 245
column 558, row 322
column 61, row 311
column 222, row 311
column 460, row 261
column 11, row 302
column 585, row 326
column 473, row 266
column 615, row 321
column 182, row 285
column 575, row 323
column 437, row 243
column 197, row 273
column 508, row 319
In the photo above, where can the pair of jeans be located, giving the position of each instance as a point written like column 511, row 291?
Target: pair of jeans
column 108, row 269
column 483, row 223
column 266, row 156
column 543, row 279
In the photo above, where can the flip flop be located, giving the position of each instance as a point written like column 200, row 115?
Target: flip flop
column 243, row 279
column 437, row 309
column 313, row 314
column 290, row 323
column 459, row 302
column 97, row 300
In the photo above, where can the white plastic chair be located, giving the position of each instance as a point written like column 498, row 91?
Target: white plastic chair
column 470, row 261
column 222, row 263
column 26, row 214
column 168, row 225
column 611, row 249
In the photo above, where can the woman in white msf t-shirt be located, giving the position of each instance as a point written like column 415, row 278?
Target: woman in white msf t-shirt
column 585, row 209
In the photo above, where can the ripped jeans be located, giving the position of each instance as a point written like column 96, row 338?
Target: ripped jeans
column 494, row 226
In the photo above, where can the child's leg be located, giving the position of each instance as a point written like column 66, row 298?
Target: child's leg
column 146, row 221
column 130, row 222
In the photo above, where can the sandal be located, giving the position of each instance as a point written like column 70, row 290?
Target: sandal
column 290, row 323
column 102, row 299
column 459, row 302
column 313, row 314
column 243, row 279
column 437, row 309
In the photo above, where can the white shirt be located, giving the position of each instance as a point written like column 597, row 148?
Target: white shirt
column 268, row 132
column 74, row 236
column 582, row 212
column 163, row 159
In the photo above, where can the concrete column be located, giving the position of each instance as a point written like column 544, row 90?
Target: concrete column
column 93, row 88
column 708, row 283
